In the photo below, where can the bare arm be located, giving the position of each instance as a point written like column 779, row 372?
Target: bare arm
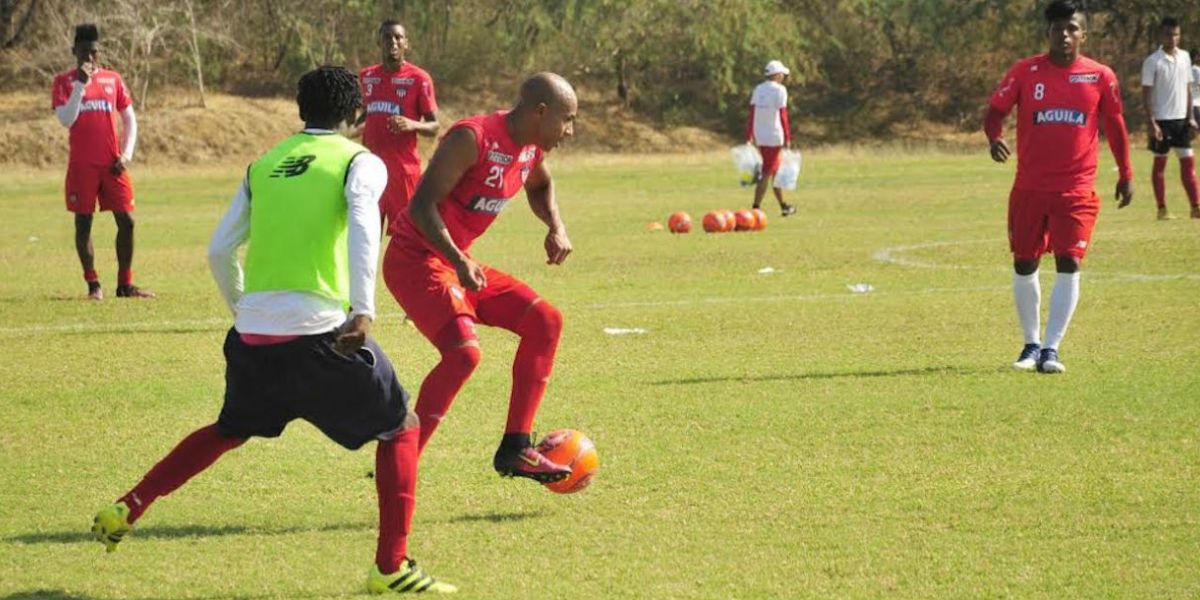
column 449, row 163
column 428, row 126
column 539, row 189
column 1152, row 127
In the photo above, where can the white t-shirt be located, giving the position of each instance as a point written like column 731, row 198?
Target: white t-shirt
column 1195, row 85
column 768, row 97
column 1170, row 77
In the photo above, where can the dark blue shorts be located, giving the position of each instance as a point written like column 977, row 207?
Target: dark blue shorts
column 351, row 399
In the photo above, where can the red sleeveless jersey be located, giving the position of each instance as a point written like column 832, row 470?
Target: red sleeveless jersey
column 485, row 189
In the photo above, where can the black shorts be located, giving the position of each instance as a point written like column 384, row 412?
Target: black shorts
column 1175, row 133
column 351, row 399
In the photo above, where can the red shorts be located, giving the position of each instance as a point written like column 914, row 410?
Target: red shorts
column 87, row 183
column 770, row 156
column 401, row 186
column 1061, row 222
column 428, row 290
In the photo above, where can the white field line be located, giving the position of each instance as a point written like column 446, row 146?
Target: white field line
column 890, row 255
column 894, row 256
column 221, row 323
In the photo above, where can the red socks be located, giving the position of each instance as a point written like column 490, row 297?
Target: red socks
column 194, row 454
column 442, row 385
column 125, row 277
column 90, row 276
column 396, row 485
column 539, row 329
column 1157, row 179
column 1187, row 173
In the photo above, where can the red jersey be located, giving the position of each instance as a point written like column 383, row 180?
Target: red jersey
column 498, row 174
column 93, row 137
column 1058, row 119
column 407, row 92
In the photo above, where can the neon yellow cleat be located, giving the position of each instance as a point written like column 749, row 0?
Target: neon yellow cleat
column 410, row 579
column 111, row 524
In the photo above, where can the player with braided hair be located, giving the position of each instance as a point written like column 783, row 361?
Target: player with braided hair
column 302, row 310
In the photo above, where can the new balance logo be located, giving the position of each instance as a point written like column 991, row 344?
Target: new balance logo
column 492, row 206
column 293, row 166
column 1060, row 115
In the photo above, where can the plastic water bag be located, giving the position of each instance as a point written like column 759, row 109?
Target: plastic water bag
column 789, row 170
column 747, row 162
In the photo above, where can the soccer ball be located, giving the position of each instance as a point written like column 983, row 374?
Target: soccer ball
column 745, row 220
column 714, row 222
column 760, row 219
column 730, row 220
column 679, row 222
column 573, row 449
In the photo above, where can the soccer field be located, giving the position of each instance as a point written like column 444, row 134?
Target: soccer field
column 769, row 435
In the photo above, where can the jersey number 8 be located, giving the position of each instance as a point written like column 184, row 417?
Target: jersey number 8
column 1039, row 91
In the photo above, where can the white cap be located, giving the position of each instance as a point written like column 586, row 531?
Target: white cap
column 775, row 68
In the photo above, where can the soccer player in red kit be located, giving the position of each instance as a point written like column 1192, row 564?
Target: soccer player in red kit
column 1060, row 96
column 86, row 99
column 400, row 105
column 481, row 163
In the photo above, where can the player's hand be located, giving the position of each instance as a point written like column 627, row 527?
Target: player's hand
column 1124, row 193
column 1155, row 132
column 118, row 166
column 84, row 72
column 558, row 246
column 470, row 275
column 400, row 124
column 1193, row 128
column 352, row 335
column 999, row 150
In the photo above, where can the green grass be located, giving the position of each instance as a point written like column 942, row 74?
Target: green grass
column 769, row 436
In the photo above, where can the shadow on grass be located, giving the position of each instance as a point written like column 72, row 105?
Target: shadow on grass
column 185, row 531
column 944, row 370
column 497, row 517
column 65, row 595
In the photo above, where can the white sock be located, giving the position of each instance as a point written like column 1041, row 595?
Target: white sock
column 1027, row 293
column 1063, row 299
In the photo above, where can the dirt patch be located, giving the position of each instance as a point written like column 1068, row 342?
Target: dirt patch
column 235, row 129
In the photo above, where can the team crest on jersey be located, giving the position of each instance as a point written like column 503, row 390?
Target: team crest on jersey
column 1063, row 116
column 383, row 106
column 527, row 154
column 1084, row 78
column 402, row 92
column 491, row 206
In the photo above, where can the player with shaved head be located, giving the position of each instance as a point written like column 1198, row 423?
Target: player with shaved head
column 481, row 163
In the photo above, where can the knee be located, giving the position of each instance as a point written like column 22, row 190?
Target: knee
column 411, row 421
column 1025, row 267
column 124, row 221
column 543, row 320
column 463, row 359
column 1066, row 264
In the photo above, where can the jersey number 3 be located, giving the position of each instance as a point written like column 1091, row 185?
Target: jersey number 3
column 495, row 176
